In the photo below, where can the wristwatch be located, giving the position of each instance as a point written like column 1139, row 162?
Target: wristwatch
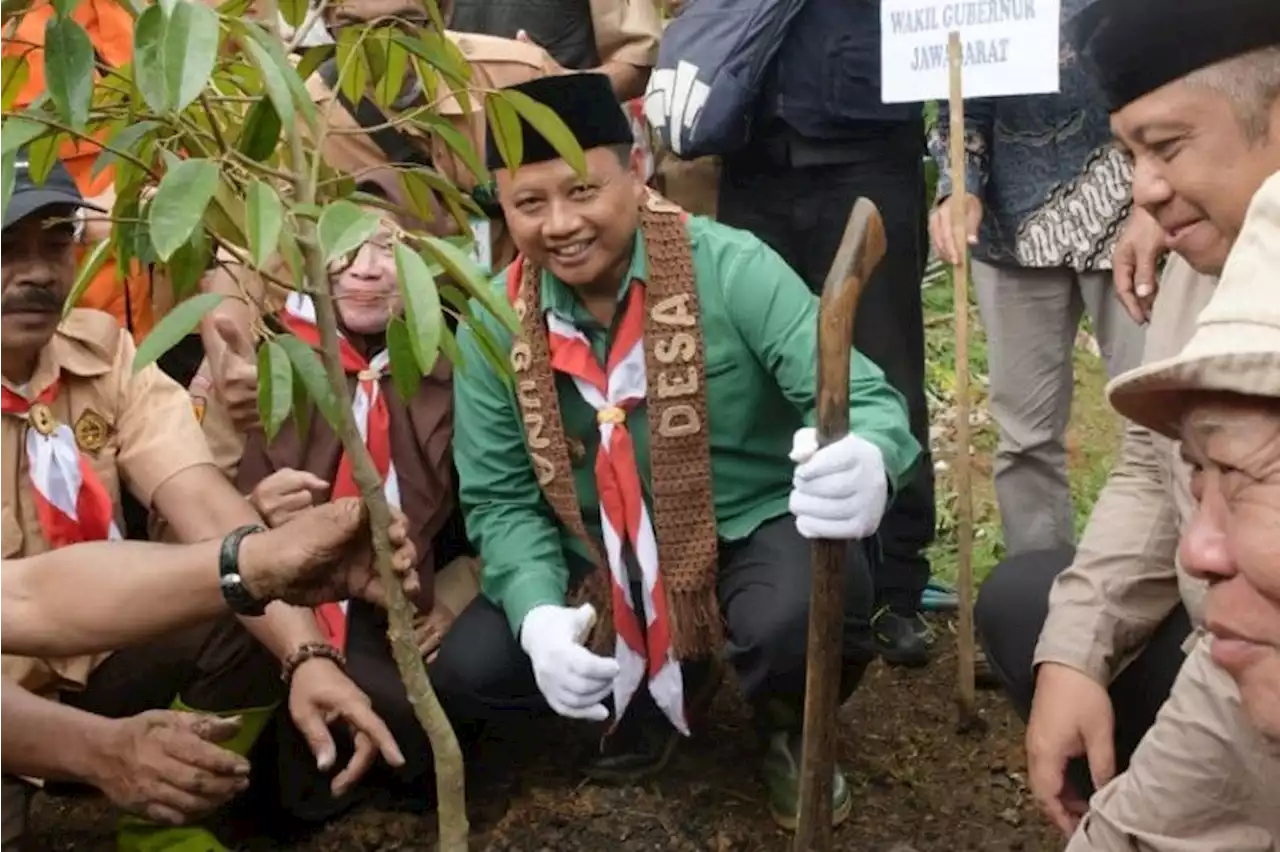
column 234, row 592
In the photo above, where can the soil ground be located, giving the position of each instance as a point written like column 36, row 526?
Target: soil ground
column 919, row 783
column 917, row 780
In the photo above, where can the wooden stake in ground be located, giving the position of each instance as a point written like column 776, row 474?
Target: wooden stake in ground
column 964, row 489
column 861, row 248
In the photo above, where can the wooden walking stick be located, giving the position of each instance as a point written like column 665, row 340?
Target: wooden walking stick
column 967, row 652
column 861, row 248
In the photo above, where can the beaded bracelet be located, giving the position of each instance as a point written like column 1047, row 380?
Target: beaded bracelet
column 311, row 651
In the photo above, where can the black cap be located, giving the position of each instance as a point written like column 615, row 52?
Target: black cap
column 1137, row 46
column 585, row 103
column 28, row 196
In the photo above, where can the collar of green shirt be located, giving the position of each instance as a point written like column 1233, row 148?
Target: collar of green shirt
column 559, row 298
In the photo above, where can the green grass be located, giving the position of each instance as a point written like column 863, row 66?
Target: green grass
column 1092, row 439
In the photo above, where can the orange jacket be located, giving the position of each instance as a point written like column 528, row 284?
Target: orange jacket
column 110, row 30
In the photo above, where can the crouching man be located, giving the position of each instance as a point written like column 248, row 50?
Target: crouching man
column 650, row 481
column 1207, row 774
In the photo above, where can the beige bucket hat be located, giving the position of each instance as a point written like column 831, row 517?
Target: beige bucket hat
column 1236, row 345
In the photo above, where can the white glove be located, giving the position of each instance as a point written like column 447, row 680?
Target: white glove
column 572, row 679
column 839, row 491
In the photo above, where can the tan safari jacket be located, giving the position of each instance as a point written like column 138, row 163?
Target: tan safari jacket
column 1202, row 780
column 1126, row 579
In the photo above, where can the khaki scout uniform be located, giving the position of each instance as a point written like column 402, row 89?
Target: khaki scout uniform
column 626, row 31
column 1126, row 578
column 137, row 431
column 143, row 433
column 1202, row 780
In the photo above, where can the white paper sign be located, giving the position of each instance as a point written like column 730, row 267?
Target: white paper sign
column 1010, row 48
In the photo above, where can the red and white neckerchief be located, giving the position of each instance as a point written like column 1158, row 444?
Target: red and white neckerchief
column 373, row 419
column 72, row 504
column 612, row 392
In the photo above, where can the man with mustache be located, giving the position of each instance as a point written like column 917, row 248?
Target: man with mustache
column 409, row 440
column 1207, row 775
column 643, row 493
column 79, row 425
column 1194, row 95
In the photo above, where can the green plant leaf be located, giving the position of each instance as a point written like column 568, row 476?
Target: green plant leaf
column 294, row 12
column 68, row 70
column 422, row 312
column 149, row 58
column 313, row 58
column 261, row 131
column 544, row 120
column 13, row 79
column 292, row 255
column 353, row 65
column 405, row 374
column 8, row 171
column 344, row 227
column 126, row 139
column 462, row 147
column 264, row 216
column 463, row 270
column 418, row 192
column 391, row 81
column 192, row 50
column 273, row 79
column 271, row 54
column 17, row 132
column 179, row 204
column 301, row 408
column 176, row 325
column 41, row 155
column 504, row 129
column 449, row 347
column 188, row 265
column 310, row 372
column 88, row 269
column 275, row 387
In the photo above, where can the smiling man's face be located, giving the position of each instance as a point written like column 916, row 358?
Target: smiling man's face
column 1197, row 164
column 1233, row 542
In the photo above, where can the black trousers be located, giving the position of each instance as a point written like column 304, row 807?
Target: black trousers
column 801, row 213
column 1010, row 613
column 763, row 591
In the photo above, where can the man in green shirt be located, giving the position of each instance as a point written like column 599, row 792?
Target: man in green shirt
column 642, row 493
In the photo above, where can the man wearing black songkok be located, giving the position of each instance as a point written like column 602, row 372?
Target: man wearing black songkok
column 1194, row 92
column 643, row 494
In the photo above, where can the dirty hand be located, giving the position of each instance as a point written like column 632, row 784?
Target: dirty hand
column 235, row 373
column 572, row 679
column 839, row 491
column 325, row 554
column 1071, row 716
column 321, row 694
column 942, row 231
column 1134, row 261
column 285, row 493
column 167, row 767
